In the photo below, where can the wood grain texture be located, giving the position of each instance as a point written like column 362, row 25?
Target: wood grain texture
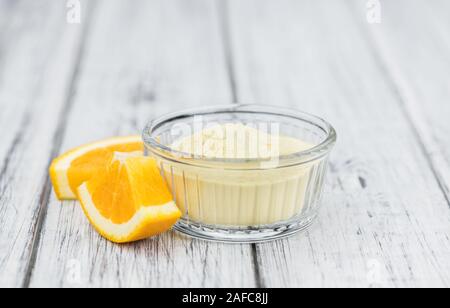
column 36, row 53
column 416, row 58
column 143, row 58
column 386, row 213
column 384, row 220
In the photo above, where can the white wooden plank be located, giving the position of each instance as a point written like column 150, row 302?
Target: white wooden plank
column 385, row 221
column 417, row 58
column 37, row 52
column 143, row 58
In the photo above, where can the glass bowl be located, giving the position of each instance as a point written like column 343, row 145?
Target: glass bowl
column 243, row 198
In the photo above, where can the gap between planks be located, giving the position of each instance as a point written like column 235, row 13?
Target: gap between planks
column 57, row 142
column 401, row 88
column 223, row 13
column 401, row 114
column 182, row 250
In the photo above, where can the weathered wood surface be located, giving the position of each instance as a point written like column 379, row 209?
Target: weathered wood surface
column 37, row 56
column 417, row 57
column 385, row 220
column 157, row 62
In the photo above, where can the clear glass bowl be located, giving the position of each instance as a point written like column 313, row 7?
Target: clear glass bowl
column 243, row 200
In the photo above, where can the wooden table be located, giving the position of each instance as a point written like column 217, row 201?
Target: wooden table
column 385, row 219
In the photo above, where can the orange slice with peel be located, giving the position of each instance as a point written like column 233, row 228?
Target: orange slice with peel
column 128, row 200
column 70, row 170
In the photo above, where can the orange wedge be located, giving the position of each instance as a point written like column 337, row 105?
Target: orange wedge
column 70, row 170
column 128, row 200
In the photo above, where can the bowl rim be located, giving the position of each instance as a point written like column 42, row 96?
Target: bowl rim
column 302, row 157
